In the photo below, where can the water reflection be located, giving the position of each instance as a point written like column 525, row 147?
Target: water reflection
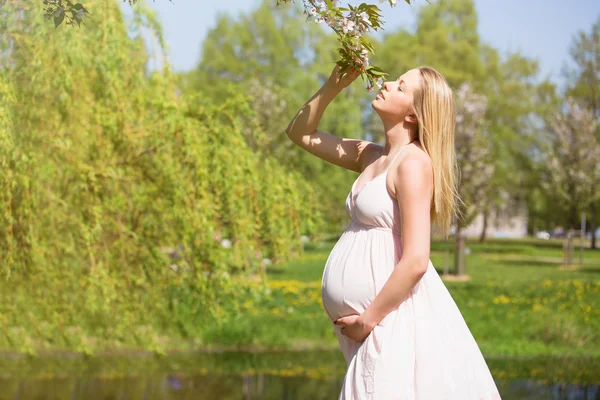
column 247, row 387
column 258, row 376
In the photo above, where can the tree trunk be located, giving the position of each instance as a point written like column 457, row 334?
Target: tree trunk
column 573, row 219
column 459, row 253
column 486, row 216
column 593, row 224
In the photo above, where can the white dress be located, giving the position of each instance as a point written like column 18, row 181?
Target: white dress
column 423, row 350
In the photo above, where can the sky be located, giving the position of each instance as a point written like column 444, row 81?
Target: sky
column 539, row 29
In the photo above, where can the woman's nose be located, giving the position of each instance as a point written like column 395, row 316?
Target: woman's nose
column 386, row 85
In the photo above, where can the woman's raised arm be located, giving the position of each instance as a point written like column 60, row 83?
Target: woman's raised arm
column 302, row 130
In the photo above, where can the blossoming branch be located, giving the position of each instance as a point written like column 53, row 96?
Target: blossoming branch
column 351, row 24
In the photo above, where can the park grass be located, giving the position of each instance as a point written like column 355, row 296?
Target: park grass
column 519, row 300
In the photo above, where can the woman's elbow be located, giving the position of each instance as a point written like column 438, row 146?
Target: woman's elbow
column 419, row 263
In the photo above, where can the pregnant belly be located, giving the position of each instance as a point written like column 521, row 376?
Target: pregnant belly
column 356, row 269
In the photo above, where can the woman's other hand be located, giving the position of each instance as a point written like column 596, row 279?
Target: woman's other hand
column 355, row 327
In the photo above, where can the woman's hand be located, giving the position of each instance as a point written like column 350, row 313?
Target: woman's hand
column 355, row 327
column 339, row 82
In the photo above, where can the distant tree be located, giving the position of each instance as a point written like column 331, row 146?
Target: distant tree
column 573, row 160
column 584, row 85
column 473, row 150
column 510, row 90
column 531, row 160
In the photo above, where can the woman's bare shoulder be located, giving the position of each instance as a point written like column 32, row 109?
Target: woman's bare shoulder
column 413, row 170
column 415, row 156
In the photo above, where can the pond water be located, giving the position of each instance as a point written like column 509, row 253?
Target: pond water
column 258, row 376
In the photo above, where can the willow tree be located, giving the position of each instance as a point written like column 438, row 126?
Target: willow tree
column 120, row 165
column 118, row 194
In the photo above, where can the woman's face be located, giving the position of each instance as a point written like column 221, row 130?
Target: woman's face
column 394, row 101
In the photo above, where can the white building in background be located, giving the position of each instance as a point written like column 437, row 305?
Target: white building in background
column 508, row 223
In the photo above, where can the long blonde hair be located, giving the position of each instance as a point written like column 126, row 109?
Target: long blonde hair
column 433, row 105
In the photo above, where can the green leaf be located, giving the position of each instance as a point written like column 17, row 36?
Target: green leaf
column 58, row 20
column 74, row 18
column 376, row 72
column 367, row 45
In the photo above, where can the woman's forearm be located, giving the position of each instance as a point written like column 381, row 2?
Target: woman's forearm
column 406, row 274
column 307, row 119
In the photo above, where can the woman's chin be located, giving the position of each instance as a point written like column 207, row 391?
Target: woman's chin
column 375, row 104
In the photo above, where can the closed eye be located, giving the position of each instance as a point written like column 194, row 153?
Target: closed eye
column 400, row 85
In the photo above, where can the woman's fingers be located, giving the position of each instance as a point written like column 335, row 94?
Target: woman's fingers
column 350, row 75
column 345, row 320
column 343, row 80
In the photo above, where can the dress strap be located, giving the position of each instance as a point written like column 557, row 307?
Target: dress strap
column 395, row 156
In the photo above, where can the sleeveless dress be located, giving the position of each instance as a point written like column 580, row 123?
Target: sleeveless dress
column 423, row 350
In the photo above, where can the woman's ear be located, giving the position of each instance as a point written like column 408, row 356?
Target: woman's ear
column 411, row 118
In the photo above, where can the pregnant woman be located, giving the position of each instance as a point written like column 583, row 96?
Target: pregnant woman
column 401, row 332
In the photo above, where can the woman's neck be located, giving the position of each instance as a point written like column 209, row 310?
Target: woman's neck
column 396, row 137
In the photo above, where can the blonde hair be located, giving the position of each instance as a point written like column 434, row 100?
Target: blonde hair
column 433, row 105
